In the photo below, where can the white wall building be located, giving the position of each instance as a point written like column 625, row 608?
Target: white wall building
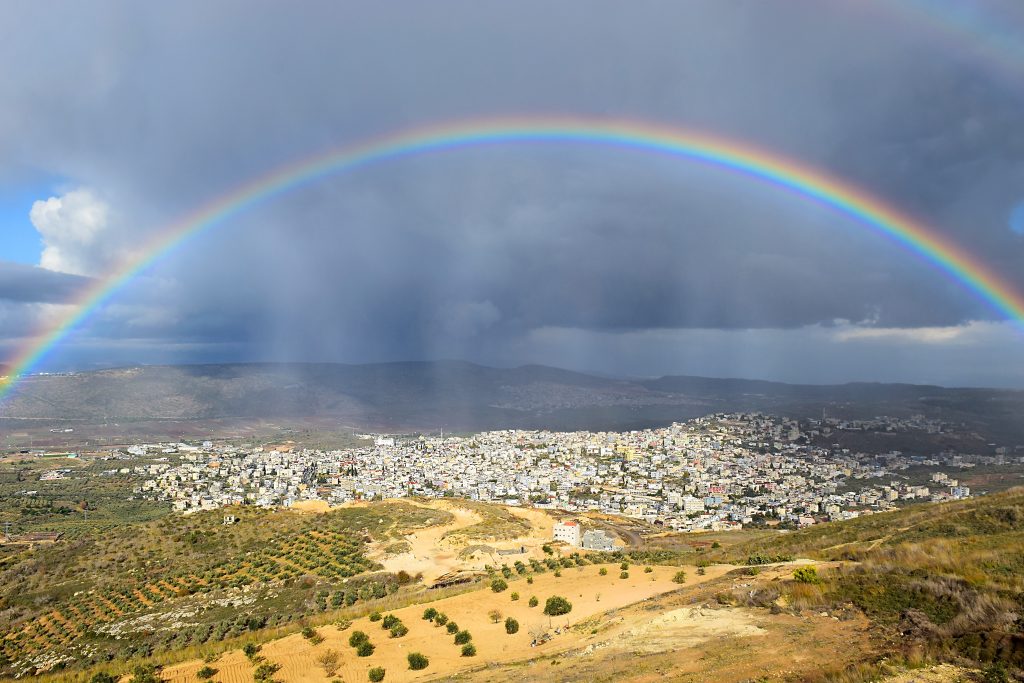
column 568, row 532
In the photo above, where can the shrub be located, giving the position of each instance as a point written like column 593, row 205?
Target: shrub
column 365, row 649
column 358, row 638
column 514, row 596
column 701, row 571
column 623, row 575
column 806, row 575
column 494, row 615
column 399, row 630
column 547, row 549
column 146, row 674
column 389, row 622
column 463, row 637
column 265, row 672
column 529, row 579
column 624, row 566
column 558, row 573
column 533, row 601
column 648, row 570
column 429, row 614
column 603, row 571
column 251, row 650
column 417, row 661
column 469, row 650
column 376, row 674
column 557, row 605
column 452, row 627
column 329, row 661
column 441, row 619
column 511, row 626
column 102, row 677
column 716, row 545
column 679, row 577
column 498, row 585
column 204, row 673
column 375, row 616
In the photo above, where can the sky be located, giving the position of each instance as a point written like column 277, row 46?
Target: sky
column 117, row 118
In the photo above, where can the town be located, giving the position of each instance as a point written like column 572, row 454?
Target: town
column 714, row 473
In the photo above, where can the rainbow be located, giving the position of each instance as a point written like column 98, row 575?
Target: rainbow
column 690, row 145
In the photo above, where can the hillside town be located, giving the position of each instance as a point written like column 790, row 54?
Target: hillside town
column 714, row 473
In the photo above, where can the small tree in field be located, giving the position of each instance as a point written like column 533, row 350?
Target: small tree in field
column 365, row 649
column 623, row 575
column 679, row 577
column 533, row 601
column 556, row 605
column 463, row 637
column 376, row 674
column 511, row 626
column 429, row 614
column 358, row 638
column 806, row 575
column 603, row 571
column 417, row 661
column 469, row 650
column 498, row 585
column 494, row 615
column 452, row 627
column 514, row 596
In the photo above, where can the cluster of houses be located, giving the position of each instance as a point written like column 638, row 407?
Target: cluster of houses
column 714, row 473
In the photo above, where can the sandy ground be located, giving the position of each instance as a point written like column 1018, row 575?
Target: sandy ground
column 592, row 596
column 434, row 555
column 310, row 506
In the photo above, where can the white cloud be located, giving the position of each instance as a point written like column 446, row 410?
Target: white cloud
column 71, row 226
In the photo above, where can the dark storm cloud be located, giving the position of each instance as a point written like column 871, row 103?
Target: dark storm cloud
column 161, row 107
column 30, row 284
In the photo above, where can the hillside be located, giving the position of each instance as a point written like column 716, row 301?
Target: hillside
column 464, row 396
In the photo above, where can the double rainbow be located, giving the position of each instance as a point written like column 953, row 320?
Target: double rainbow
column 690, row 145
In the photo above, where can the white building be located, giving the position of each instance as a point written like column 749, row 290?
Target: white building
column 568, row 532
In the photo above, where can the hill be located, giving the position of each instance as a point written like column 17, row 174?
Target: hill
column 467, row 397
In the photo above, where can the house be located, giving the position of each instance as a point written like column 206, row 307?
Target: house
column 568, row 532
column 596, row 539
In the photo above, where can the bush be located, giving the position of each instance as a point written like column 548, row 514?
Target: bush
column 463, row 637
column 358, row 638
column 389, row 622
column 701, row 571
column 648, row 570
column 514, row 596
column 399, row 630
column 204, row 673
column 265, row 672
column 511, row 626
column 329, row 661
column 806, row 575
column 452, row 627
column 469, row 650
column 146, row 674
column 623, row 575
column 375, row 616
column 679, row 577
column 429, row 614
column 102, row 677
column 529, row 579
column 558, row 573
column 365, row 649
column 624, row 566
column 533, row 601
column 417, row 661
column 376, row 674
column 498, row 585
column 603, row 571
column 251, row 650
column 494, row 615
column 441, row 619
column 557, row 605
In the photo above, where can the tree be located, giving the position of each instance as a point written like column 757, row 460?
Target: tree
column 441, row 619
column 511, row 626
column 251, row 650
column 329, row 661
column 376, row 674
column 207, row 672
column 144, row 674
column 603, row 571
column 452, row 627
column 469, row 650
column 624, row 566
column 463, row 637
column 498, row 585
column 557, row 605
column 375, row 616
column 389, row 622
column 365, row 649
column 623, row 575
column 399, row 630
column 494, row 615
column 514, row 596
column 417, row 661
column 358, row 638
column 648, row 570
column 429, row 614
column 533, row 601
column 679, row 577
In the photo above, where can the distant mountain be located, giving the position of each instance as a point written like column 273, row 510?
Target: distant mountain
column 463, row 396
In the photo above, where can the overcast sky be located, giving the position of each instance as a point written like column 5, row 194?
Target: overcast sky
column 117, row 118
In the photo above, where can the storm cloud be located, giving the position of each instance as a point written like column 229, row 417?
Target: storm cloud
column 147, row 111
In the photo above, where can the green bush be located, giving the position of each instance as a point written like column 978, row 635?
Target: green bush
column 102, row 677
column 557, row 605
column 376, row 674
column 806, row 575
column 417, row 661
column 441, row 619
column 498, row 585
column 429, row 614
column 679, row 577
column 624, row 566
column 358, row 638
column 463, row 637
column 648, row 570
column 469, row 650
column 365, row 649
column 623, row 575
column 399, row 630
column 514, row 596
column 206, row 672
column 389, row 622
column 603, row 571
column 533, row 601
column 375, row 616
column 452, row 627
column 511, row 626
